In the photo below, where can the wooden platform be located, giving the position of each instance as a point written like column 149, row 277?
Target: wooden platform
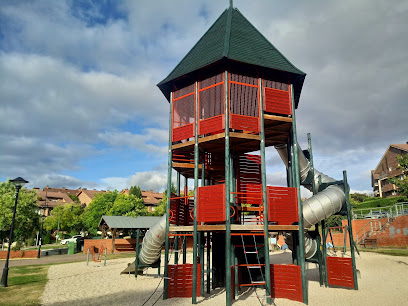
column 234, row 227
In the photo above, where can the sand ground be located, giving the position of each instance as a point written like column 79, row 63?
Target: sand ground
column 384, row 281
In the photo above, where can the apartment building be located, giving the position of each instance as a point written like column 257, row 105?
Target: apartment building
column 388, row 168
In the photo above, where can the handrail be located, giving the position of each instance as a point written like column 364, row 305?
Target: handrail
column 391, row 211
column 366, row 234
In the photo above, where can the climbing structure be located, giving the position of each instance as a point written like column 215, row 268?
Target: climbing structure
column 232, row 95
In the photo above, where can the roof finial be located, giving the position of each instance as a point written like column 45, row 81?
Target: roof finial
column 231, row 4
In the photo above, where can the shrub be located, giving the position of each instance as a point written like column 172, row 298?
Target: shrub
column 47, row 238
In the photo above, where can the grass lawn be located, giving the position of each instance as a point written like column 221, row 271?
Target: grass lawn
column 393, row 252
column 25, row 285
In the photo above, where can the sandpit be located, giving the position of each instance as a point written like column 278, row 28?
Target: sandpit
column 383, row 281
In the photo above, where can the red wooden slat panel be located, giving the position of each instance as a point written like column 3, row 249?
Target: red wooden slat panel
column 340, row 272
column 181, row 280
column 282, row 205
column 212, row 125
column 286, row 282
column 245, row 123
column 183, row 132
column 211, row 203
column 277, row 101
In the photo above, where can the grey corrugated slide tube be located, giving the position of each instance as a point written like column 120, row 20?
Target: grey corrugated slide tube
column 153, row 242
column 321, row 205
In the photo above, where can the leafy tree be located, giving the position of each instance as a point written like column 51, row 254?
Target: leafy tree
column 160, row 210
column 74, row 198
column 334, row 220
column 402, row 184
column 136, row 191
column 27, row 218
column 71, row 219
column 127, row 205
column 112, row 204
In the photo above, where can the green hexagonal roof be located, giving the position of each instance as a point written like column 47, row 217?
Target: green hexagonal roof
column 233, row 37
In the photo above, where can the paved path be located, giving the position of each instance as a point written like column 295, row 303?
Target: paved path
column 44, row 260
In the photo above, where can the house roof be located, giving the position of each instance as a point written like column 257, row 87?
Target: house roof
column 52, row 199
column 129, row 222
column 233, row 37
column 151, row 198
column 402, row 146
column 90, row 193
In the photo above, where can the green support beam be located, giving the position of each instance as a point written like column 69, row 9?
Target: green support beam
column 350, row 229
column 137, row 251
column 314, row 190
column 185, row 239
column 301, row 258
column 176, row 238
column 227, row 198
column 201, row 243
column 169, row 167
column 196, row 166
column 208, row 262
column 265, row 200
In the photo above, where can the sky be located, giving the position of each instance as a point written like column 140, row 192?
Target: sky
column 79, row 106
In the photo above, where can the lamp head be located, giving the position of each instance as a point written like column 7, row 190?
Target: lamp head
column 19, row 182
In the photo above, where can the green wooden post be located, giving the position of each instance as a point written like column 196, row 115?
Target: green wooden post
column 314, row 190
column 227, row 194
column 196, row 166
column 169, row 169
column 176, row 238
column 350, row 229
column 185, row 238
column 324, row 248
column 265, row 199
column 297, row 185
column 208, row 261
column 202, row 239
column 345, row 240
column 137, row 251
column 87, row 257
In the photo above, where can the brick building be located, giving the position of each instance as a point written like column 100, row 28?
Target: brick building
column 388, row 168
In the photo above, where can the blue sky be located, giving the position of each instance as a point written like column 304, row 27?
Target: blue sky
column 80, row 107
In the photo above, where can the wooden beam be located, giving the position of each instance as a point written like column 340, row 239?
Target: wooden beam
column 277, row 118
column 245, row 136
column 235, row 227
column 182, row 145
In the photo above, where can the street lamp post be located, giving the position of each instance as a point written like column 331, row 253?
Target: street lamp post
column 39, row 245
column 18, row 182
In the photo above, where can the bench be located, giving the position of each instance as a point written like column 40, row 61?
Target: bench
column 371, row 242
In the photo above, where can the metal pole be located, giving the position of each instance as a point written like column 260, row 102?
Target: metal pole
column 196, row 166
column 297, row 184
column 169, row 169
column 106, row 253
column 137, row 251
column 265, row 200
column 87, row 257
column 40, row 238
column 6, row 266
column 208, row 261
column 227, row 195
column 350, row 229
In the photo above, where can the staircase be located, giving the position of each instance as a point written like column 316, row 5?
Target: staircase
column 366, row 235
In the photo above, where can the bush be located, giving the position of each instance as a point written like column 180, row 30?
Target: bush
column 380, row 202
column 30, row 241
column 47, row 238
column 17, row 246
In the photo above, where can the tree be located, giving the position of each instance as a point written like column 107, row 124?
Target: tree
column 74, row 198
column 136, row 191
column 111, row 204
column 402, row 183
column 127, row 205
column 71, row 219
column 161, row 208
column 27, row 218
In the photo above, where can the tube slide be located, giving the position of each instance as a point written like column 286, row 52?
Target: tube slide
column 153, row 242
column 321, row 205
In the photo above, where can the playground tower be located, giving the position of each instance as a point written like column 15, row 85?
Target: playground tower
column 234, row 94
